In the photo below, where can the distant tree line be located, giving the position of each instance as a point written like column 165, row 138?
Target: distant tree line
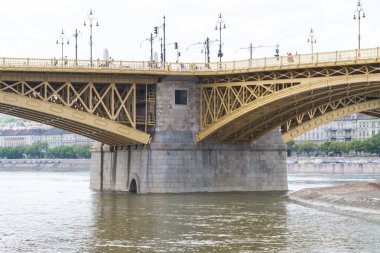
column 332, row 148
column 42, row 150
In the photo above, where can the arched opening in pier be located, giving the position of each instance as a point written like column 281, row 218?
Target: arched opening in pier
column 133, row 186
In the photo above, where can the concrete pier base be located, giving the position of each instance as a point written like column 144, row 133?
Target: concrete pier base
column 177, row 168
column 175, row 162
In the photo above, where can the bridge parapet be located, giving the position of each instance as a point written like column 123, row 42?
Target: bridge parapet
column 347, row 57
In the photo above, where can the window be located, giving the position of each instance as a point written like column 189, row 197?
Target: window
column 181, row 97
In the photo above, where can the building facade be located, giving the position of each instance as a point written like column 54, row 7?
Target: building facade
column 353, row 127
column 53, row 136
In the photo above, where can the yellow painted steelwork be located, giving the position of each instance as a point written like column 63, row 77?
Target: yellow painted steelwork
column 245, row 110
column 240, row 100
column 86, row 124
column 315, row 122
column 103, row 111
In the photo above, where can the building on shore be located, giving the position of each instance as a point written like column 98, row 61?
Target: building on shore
column 53, row 136
column 353, row 127
column 15, row 132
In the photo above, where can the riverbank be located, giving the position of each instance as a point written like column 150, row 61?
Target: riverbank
column 357, row 200
column 45, row 164
column 333, row 165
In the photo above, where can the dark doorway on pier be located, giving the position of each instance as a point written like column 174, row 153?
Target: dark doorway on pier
column 133, row 186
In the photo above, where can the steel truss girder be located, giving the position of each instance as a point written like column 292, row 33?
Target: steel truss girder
column 224, row 103
column 105, row 112
column 306, row 126
column 289, row 74
column 258, row 124
column 220, row 99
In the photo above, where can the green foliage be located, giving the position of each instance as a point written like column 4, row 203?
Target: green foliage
column 336, row 148
column 76, row 151
column 12, row 152
column 369, row 146
column 292, row 146
column 373, row 144
column 37, row 150
column 307, row 147
column 324, row 147
column 41, row 150
column 82, row 151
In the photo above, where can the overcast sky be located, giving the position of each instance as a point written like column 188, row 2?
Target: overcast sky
column 31, row 28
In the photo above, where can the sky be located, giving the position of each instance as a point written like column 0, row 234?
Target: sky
column 31, row 28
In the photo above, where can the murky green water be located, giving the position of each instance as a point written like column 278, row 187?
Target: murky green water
column 56, row 212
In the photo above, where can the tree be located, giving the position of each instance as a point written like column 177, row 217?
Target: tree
column 292, row 146
column 37, row 149
column 82, row 151
column 307, row 147
column 337, row 148
column 324, row 147
column 11, row 152
column 372, row 144
column 76, row 151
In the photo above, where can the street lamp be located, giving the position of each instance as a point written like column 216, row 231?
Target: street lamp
column 251, row 48
column 75, row 35
column 360, row 14
column 164, row 32
column 151, row 39
column 162, row 39
column 206, row 48
column 312, row 40
column 91, row 18
column 61, row 40
column 220, row 24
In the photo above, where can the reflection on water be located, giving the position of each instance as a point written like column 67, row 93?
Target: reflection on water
column 195, row 222
column 56, row 212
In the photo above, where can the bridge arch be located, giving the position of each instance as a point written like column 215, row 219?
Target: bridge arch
column 330, row 116
column 256, row 118
column 76, row 121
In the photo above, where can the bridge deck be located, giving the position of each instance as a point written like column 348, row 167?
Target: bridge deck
column 340, row 58
column 240, row 100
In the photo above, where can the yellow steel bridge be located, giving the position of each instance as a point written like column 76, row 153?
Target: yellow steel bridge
column 114, row 102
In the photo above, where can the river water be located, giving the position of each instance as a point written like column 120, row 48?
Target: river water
column 57, row 212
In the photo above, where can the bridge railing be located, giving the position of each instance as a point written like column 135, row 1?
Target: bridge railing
column 280, row 61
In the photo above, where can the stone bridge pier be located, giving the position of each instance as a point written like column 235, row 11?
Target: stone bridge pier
column 174, row 162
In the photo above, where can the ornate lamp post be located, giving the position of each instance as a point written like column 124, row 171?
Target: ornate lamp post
column 61, row 40
column 359, row 13
column 312, row 40
column 205, row 48
column 220, row 24
column 91, row 18
column 164, row 32
column 75, row 35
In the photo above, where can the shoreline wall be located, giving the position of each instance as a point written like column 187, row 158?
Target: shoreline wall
column 45, row 164
column 294, row 166
column 337, row 165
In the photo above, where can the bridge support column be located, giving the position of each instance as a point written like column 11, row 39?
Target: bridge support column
column 175, row 162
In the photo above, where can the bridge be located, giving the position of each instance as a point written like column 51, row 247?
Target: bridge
column 234, row 109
